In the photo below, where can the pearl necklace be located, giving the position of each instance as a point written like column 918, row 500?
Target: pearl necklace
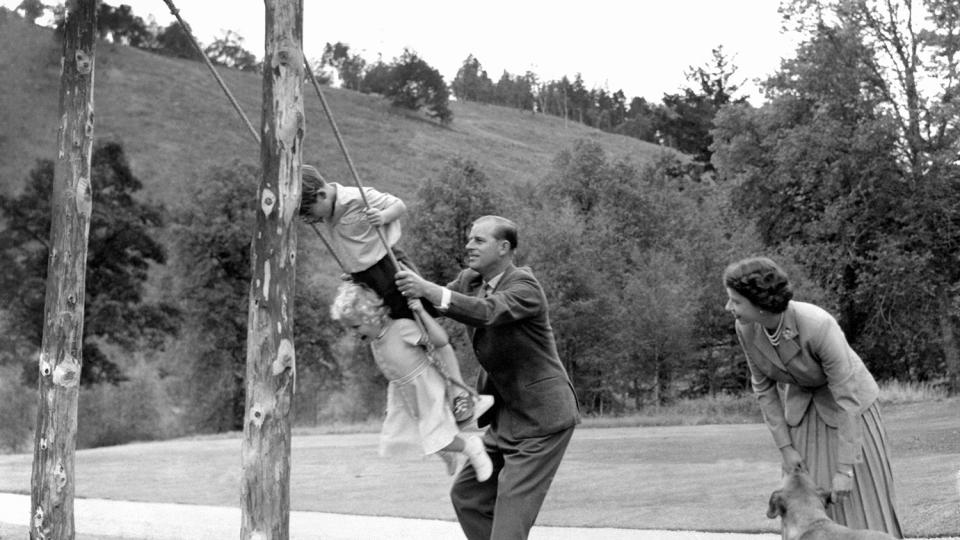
column 774, row 338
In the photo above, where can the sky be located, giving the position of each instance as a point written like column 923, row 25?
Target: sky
column 642, row 47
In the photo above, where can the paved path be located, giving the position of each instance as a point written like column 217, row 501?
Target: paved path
column 163, row 521
column 155, row 521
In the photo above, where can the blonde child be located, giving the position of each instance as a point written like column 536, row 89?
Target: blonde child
column 418, row 417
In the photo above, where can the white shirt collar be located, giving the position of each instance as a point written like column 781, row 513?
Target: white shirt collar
column 492, row 284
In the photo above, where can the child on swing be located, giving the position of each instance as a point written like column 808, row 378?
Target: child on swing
column 417, row 413
column 352, row 227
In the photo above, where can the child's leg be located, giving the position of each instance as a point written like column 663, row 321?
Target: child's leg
column 381, row 277
column 472, row 447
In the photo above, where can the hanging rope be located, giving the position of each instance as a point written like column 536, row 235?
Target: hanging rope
column 236, row 105
column 393, row 259
column 326, row 109
column 196, row 45
column 346, row 156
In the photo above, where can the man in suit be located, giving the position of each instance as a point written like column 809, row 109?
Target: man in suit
column 535, row 409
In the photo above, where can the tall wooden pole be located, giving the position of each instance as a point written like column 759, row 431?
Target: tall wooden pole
column 265, row 487
column 52, row 482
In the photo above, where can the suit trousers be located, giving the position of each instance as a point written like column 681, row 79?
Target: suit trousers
column 506, row 506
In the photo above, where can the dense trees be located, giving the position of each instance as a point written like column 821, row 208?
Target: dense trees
column 686, row 119
column 31, row 9
column 446, row 208
column 629, row 257
column 415, row 85
column 350, row 67
column 213, row 234
column 214, row 230
column 228, row 50
column 472, row 82
column 852, row 163
column 122, row 26
column 121, row 250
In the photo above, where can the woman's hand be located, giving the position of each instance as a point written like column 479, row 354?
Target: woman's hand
column 840, row 486
column 415, row 305
column 792, row 460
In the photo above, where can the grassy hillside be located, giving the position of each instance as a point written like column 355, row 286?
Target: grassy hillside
column 174, row 122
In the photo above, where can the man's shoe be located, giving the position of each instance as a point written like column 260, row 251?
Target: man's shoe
column 476, row 453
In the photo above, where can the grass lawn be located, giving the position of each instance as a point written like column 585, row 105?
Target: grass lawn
column 710, row 477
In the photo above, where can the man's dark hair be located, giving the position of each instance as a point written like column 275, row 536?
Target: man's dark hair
column 504, row 229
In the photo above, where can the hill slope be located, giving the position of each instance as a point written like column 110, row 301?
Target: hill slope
column 174, row 122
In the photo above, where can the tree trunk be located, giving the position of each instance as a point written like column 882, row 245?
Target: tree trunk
column 52, row 481
column 271, row 368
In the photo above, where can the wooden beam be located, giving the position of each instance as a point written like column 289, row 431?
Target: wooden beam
column 52, row 480
column 271, row 371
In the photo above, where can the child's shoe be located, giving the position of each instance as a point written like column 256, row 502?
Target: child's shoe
column 476, row 452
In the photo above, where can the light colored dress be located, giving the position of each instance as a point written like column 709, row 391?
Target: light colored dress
column 419, row 420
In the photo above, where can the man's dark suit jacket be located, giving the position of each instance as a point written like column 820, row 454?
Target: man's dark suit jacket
column 514, row 345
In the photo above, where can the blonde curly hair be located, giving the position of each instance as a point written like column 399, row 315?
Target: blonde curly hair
column 358, row 303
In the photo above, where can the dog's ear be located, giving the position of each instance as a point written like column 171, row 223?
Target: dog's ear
column 775, row 506
column 824, row 497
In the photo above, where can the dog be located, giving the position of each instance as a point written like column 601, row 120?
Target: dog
column 803, row 508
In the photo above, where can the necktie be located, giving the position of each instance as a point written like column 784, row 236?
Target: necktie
column 485, row 290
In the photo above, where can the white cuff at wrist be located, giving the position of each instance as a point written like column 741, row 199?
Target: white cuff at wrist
column 444, row 299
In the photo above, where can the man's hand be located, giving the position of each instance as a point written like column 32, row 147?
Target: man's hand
column 411, row 285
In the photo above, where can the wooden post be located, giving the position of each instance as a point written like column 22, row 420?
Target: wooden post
column 265, row 486
column 52, row 482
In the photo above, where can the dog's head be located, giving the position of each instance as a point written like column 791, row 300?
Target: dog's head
column 798, row 491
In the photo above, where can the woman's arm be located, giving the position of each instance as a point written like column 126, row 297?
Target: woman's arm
column 768, row 396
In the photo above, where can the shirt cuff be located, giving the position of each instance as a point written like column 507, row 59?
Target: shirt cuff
column 444, row 299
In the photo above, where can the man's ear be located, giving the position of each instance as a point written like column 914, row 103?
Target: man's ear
column 775, row 506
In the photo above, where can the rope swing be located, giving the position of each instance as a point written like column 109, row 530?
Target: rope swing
column 428, row 346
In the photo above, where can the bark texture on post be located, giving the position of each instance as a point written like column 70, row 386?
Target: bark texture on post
column 52, row 481
column 265, row 486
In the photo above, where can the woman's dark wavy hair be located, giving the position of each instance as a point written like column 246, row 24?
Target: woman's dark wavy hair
column 761, row 281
